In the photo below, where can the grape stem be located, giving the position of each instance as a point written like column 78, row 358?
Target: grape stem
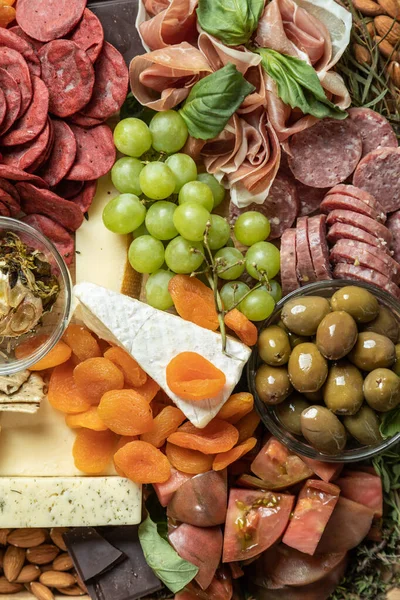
column 221, row 262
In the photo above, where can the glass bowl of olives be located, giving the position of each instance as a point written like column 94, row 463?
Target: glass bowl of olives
column 326, row 370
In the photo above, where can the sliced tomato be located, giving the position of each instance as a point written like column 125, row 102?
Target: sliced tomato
column 202, row 546
column 278, row 467
column 166, row 490
column 327, row 471
column 363, row 488
column 255, row 520
column 220, row 588
column 314, row 507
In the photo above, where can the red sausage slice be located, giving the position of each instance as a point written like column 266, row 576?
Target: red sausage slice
column 85, row 197
column 305, row 269
column 13, row 100
column 375, row 130
column 15, row 64
column 393, row 225
column 379, row 174
column 288, row 262
column 63, row 241
column 346, row 271
column 319, row 247
column 89, row 35
column 46, row 20
column 356, row 220
column 355, row 192
column 340, row 231
column 12, row 40
column 62, row 156
column 343, row 252
column 342, row 202
column 95, row 153
column 359, row 252
column 25, row 155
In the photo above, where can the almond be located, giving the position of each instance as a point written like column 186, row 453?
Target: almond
column 80, row 582
column 6, row 587
column 13, row 562
column 74, row 590
column 385, row 48
column 391, row 7
column 27, row 538
column 48, row 567
column 41, row 555
column 388, row 28
column 371, row 29
column 56, row 535
column 41, row 591
column 3, row 536
column 368, row 7
column 394, row 72
column 57, row 579
column 63, row 562
column 2, row 551
column 28, row 574
column 362, row 54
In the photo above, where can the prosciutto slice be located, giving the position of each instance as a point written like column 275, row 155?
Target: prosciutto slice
column 162, row 79
column 172, row 22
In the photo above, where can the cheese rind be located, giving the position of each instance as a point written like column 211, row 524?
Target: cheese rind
column 69, row 501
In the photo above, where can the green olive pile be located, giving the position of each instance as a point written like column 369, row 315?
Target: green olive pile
column 330, row 367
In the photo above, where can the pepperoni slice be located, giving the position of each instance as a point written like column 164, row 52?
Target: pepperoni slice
column 319, row 247
column 305, row 269
column 62, row 156
column 25, row 155
column 89, row 35
column 46, row 20
column 95, row 153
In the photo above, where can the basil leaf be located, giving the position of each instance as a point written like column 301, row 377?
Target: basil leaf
column 390, row 424
column 167, row 565
column 298, row 84
column 213, row 100
column 231, row 21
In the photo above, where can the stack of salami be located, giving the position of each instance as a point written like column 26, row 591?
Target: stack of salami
column 59, row 83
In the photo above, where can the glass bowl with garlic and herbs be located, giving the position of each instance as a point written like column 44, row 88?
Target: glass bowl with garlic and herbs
column 35, row 296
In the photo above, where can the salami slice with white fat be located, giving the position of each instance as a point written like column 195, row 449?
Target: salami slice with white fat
column 341, row 202
column 309, row 198
column 359, row 254
column 46, row 20
column 305, row 269
column 355, row 192
column 379, row 174
column 342, row 231
column 366, row 223
column 288, row 262
column 325, row 154
column 375, row 130
column 319, row 247
column 347, row 271
column 393, row 224
column 378, row 253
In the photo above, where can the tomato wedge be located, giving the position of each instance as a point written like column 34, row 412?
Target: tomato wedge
column 348, row 526
column 326, row 471
column 166, row 490
column 363, row 488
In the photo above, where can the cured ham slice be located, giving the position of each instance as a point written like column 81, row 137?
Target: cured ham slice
column 174, row 23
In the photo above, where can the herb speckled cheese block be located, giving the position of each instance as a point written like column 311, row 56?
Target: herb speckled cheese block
column 69, row 501
column 154, row 338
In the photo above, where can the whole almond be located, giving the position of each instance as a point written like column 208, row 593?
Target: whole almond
column 391, row 7
column 63, row 562
column 57, row 579
column 362, row 54
column 13, row 562
column 371, row 29
column 74, row 590
column 41, row 591
column 27, row 538
column 388, row 28
column 394, row 72
column 56, row 535
column 28, row 574
column 6, row 587
column 79, row 581
column 41, row 555
column 3, row 536
column 385, row 48
column 368, row 7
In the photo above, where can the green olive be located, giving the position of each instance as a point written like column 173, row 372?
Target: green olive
column 272, row 384
column 336, row 335
column 303, row 315
column 273, row 346
column 315, row 397
column 357, row 301
column 323, row 430
column 343, row 389
column 364, row 426
column 396, row 366
column 294, row 339
column 372, row 350
column 382, row 389
column 385, row 324
column 308, row 369
column 289, row 412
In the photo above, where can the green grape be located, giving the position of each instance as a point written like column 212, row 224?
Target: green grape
column 229, row 256
column 191, row 219
column 184, row 169
column 140, row 231
column 251, row 227
column 169, row 131
column 198, row 192
column 157, row 181
column 146, row 254
column 124, row 213
column 159, row 220
column 181, row 255
column 157, row 294
column 219, row 232
column 132, row 137
column 263, row 257
column 258, row 305
column 231, row 293
column 125, row 175
column 217, row 189
column 276, row 290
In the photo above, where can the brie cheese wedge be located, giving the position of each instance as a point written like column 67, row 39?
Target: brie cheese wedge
column 154, row 338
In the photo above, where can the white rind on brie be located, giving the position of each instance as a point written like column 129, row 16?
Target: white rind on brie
column 154, row 338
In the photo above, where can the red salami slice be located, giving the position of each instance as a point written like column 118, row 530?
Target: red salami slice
column 68, row 189
column 68, row 73
column 393, row 225
column 44, row 157
column 340, row 231
column 15, row 64
column 379, row 174
column 392, row 266
column 46, row 20
column 346, row 271
column 309, row 198
column 85, row 197
column 89, row 35
column 95, row 153
column 111, row 84
column 344, row 252
column 3, row 106
column 341, row 202
column 25, row 155
column 305, row 269
column 35, row 200
column 288, row 262
column 12, row 40
column 375, row 130
column 4, row 210
column 355, row 192
column 62, row 156
column 11, row 190
column 13, row 100
column 325, row 154
column 33, row 121
column 319, row 247
column 60, row 237
column 15, row 174
column 12, row 206
column 369, row 225
column 34, row 43
column 80, row 119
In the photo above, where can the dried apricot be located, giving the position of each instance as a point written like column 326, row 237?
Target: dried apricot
column 193, row 377
column 245, row 330
column 59, row 354
column 217, row 436
column 143, row 463
column 89, row 419
column 149, row 390
column 96, row 376
column 247, row 426
column 165, row 423
column 63, row 393
column 194, row 301
column 93, row 450
column 133, row 373
column 236, row 407
column 82, row 343
column 188, row 461
column 125, row 412
column 123, row 440
column 224, row 459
